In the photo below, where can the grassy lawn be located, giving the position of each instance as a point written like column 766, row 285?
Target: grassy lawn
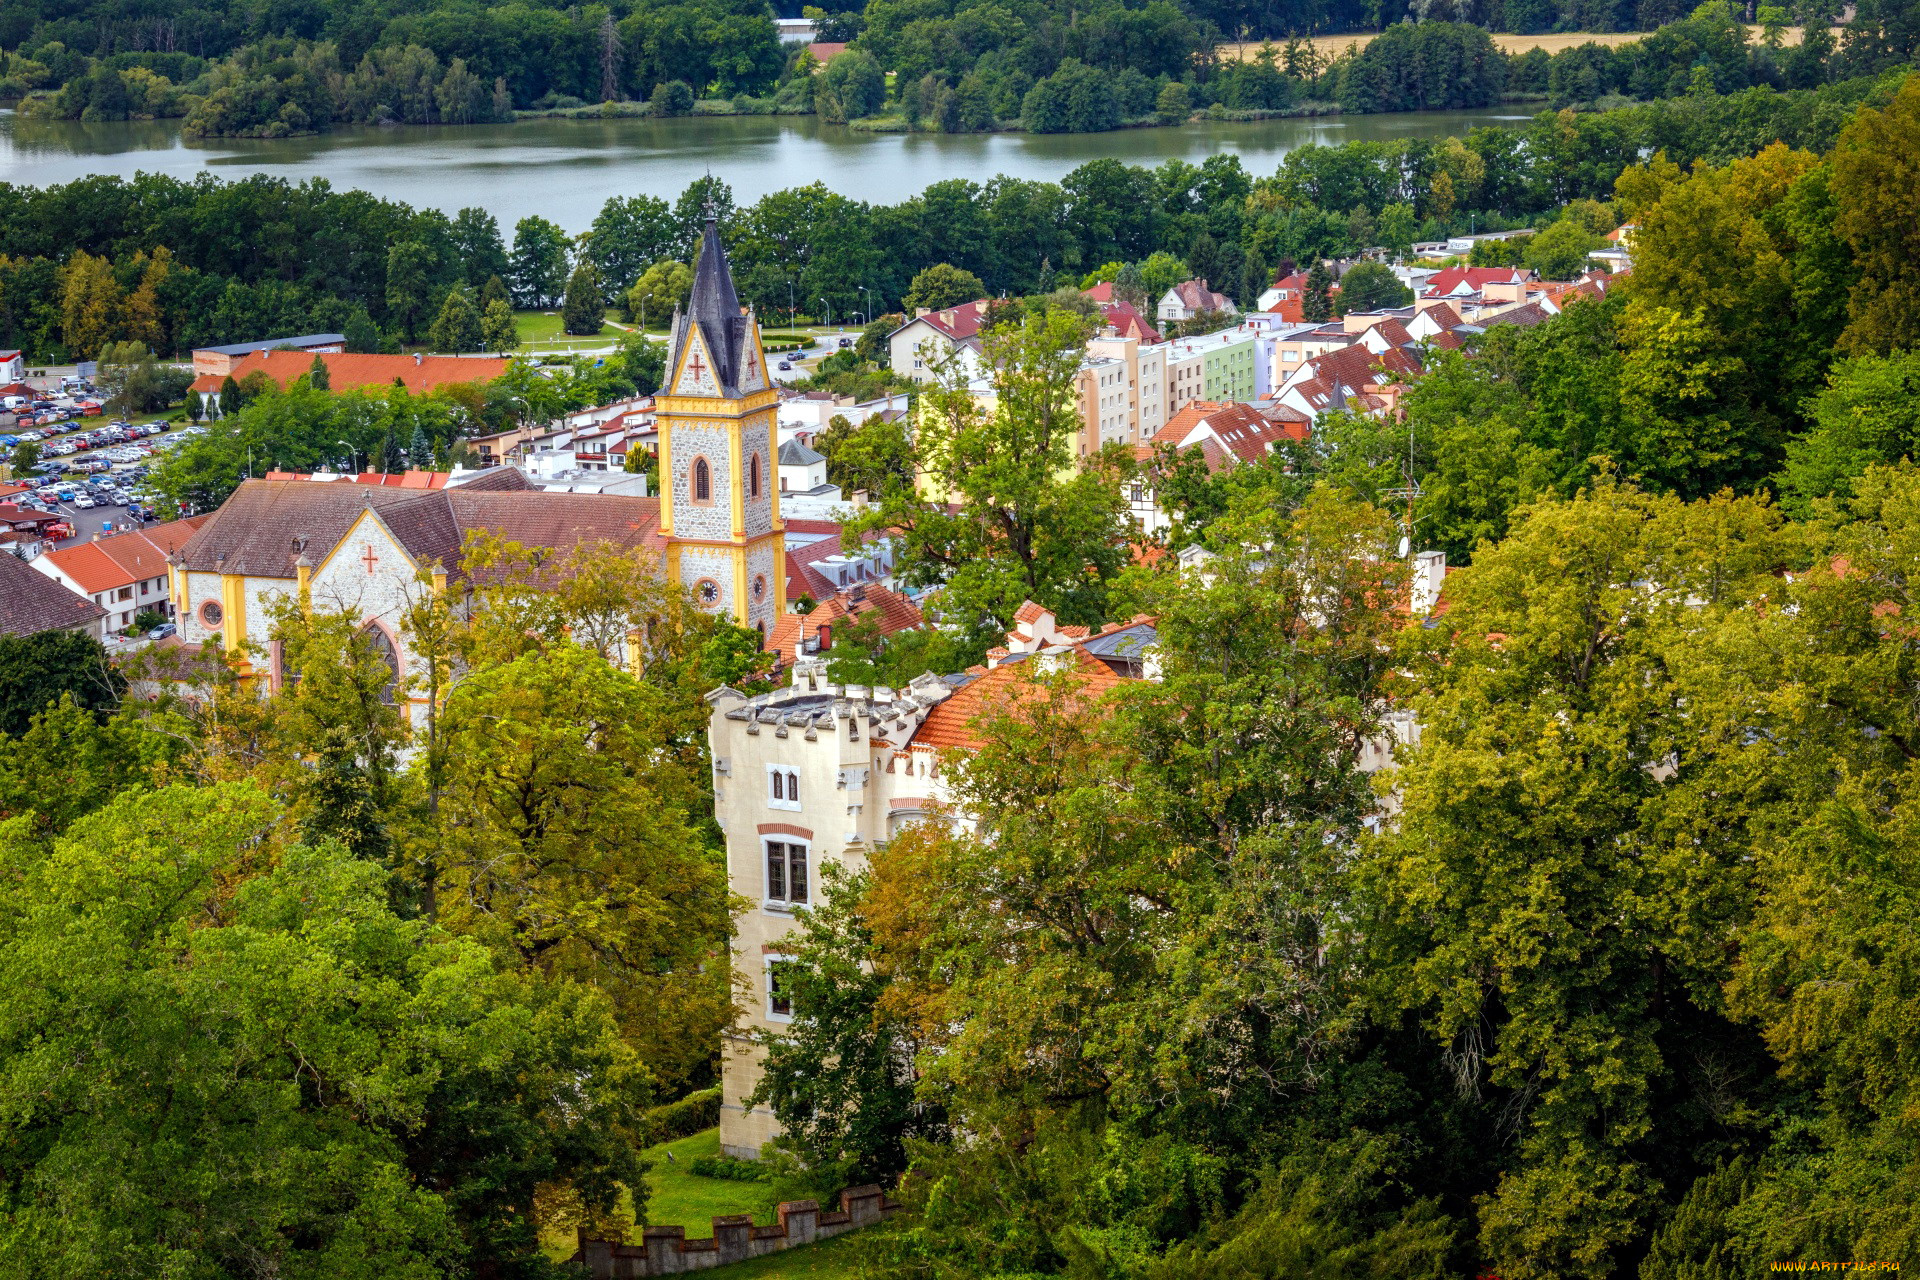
column 541, row 331
column 679, row 1198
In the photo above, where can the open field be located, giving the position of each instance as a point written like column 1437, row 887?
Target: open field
column 541, row 332
column 1552, row 42
column 680, row 1198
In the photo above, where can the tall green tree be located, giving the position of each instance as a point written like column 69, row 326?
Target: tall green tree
column 410, row 267
column 942, row 285
column 584, row 311
column 458, row 326
column 538, row 267
column 1011, row 507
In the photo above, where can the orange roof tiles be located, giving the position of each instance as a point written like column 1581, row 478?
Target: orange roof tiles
column 894, row 613
column 419, row 375
column 952, row 722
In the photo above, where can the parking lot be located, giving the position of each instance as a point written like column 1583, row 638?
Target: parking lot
column 102, row 463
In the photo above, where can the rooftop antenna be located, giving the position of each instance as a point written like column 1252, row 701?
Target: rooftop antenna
column 1411, row 492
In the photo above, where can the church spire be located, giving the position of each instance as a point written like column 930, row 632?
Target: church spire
column 715, row 307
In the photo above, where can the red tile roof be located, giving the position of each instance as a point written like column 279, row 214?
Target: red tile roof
column 953, row 723
column 124, row 558
column 1475, row 278
column 1241, row 428
column 1124, row 317
column 959, row 323
column 351, row 372
column 893, row 611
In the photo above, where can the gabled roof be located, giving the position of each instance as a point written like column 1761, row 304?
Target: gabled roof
column 1365, row 366
column 1240, row 428
column 1525, row 317
column 32, row 602
column 1126, row 318
column 1196, row 296
column 958, row 323
column 267, row 525
column 244, row 348
column 124, row 558
column 1472, row 279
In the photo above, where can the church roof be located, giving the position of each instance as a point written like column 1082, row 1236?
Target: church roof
column 267, row 525
column 715, row 307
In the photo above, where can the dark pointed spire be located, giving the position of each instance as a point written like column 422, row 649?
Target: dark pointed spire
column 714, row 305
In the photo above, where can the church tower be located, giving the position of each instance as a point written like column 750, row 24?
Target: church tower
column 719, row 486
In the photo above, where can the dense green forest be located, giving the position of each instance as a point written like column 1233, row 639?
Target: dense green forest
column 1037, row 64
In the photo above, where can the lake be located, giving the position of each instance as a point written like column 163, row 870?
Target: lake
column 566, row 169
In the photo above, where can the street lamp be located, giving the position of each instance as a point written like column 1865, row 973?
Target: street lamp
column 866, row 317
column 352, row 453
column 829, row 312
column 792, row 311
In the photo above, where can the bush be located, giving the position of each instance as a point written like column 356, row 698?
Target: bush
column 682, row 1119
column 728, row 1169
column 672, row 98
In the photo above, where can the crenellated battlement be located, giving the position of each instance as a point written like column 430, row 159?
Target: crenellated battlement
column 666, row 1251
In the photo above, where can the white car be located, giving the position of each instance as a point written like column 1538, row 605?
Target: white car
column 83, row 502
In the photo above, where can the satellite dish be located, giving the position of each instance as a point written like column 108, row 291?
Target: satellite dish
column 1405, row 546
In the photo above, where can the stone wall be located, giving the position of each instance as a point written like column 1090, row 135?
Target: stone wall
column 666, row 1251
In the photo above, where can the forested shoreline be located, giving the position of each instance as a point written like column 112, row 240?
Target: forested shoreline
column 930, row 65
column 177, row 264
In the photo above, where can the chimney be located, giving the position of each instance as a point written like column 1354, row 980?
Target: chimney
column 417, row 359
column 859, row 499
column 825, row 634
column 1429, row 578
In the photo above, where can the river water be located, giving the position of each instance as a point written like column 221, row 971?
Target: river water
column 566, row 169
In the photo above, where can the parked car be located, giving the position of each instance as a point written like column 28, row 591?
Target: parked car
column 162, row 631
column 786, row 365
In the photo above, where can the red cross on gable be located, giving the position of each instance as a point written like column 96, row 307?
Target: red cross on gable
column 371, row 560
column 698, row 367
column 750, row 360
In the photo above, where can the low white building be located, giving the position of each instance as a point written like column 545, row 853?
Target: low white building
column 805, row 491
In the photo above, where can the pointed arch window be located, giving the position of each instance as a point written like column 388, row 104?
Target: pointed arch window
column 382, row 645
column 702, row 481
column 753, row 476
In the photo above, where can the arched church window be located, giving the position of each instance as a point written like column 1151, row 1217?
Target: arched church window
column 702, row 481
column 753, row 476
column 382, row 645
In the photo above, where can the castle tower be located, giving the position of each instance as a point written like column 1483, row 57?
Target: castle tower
column 719, row 486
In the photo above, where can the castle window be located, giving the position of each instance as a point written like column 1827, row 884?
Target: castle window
column 702, row 481
column 783, row 788
column 786, row 873
column 779, row 989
